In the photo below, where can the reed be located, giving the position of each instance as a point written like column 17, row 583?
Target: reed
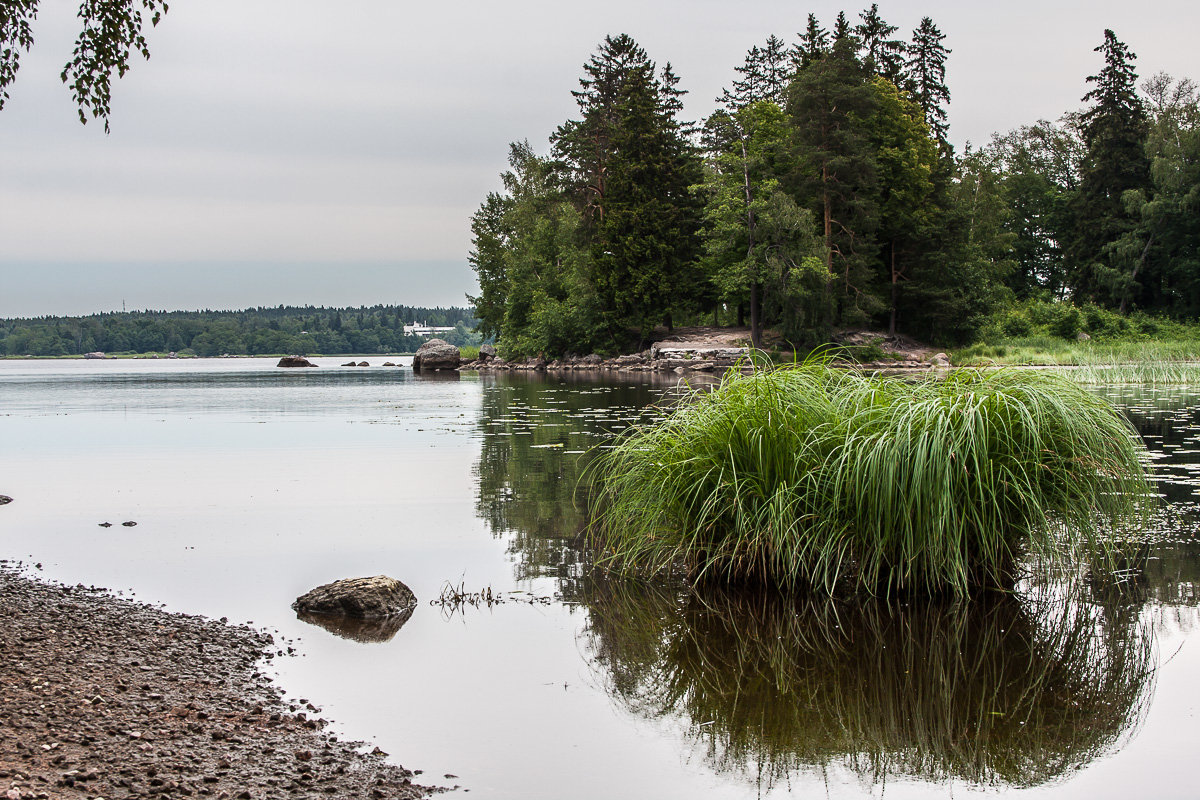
column 814, row 478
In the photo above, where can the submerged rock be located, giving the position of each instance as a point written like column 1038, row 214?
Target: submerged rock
column 364, row 598
column 294, row 361
column 436, row 354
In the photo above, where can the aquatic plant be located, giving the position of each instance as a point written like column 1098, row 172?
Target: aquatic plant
column 1152, row 373
column 811, row 477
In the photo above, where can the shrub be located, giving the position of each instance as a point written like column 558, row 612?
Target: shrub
column 809, row 477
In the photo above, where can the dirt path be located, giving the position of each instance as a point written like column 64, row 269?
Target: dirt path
column 106, row 698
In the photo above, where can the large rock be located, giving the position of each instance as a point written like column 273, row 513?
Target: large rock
column 486, row 353
column 363, row 598
column 436, row 354
column 294, row 361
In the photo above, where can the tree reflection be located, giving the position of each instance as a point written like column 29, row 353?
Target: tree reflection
column 992, row 691
column 539, row 433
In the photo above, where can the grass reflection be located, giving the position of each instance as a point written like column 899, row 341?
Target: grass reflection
column 993, row 691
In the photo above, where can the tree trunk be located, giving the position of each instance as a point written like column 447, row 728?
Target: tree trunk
column 755, row 315
column 755, row 285
column 895, row 291
column 1136, row 267
column 828, row 214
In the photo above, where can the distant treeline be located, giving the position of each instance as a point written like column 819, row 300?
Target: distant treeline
column 254, row 331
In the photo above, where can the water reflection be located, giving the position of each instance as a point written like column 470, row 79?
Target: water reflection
column 1002, row 691
column 539, row 433
column 1005, row 691
column 359, row 630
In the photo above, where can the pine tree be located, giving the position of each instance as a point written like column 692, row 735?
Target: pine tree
column 1114, row 130
column 925, row 75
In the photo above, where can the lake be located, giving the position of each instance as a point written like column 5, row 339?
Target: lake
column 251, row 484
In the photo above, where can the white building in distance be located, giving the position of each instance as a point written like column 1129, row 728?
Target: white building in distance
column 422, row 329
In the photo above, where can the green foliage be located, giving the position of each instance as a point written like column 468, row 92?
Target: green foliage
column 809, row 477
column 1065, row 321
column 760, row 247
column 830, row 197
column 257, row 331
column 112, row 31
column 1114, row 130
column 831, row 105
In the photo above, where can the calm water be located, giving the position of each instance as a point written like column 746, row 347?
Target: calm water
column 251, row 485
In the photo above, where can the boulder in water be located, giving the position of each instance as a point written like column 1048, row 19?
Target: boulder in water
column 436, row 354
column 294, row 361
column 362, row 598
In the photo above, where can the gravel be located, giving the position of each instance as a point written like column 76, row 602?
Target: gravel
column 107, row 698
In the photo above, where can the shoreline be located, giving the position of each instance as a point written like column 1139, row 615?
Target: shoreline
column 106, row 697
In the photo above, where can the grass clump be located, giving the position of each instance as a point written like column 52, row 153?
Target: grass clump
column 813, row 478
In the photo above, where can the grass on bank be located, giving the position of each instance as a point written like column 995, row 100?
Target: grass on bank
column 810, row 477
column 1059, row 333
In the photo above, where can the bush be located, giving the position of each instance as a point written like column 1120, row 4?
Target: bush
column 809, row 477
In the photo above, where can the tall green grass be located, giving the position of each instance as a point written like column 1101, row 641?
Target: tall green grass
column 1053, row 351
column 814, row 478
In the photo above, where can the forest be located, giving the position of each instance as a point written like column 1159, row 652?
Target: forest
column 279, row 330
column 824, row 194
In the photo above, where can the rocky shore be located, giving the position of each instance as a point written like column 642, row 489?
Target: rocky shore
column 712, row 350
column 655, row 359
column 108, row 698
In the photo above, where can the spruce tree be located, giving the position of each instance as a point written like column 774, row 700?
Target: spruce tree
column 813, row 44
column 925, row 76
column 632, row 169
column 1115, row 128
column 831, row 105
column 765, row 76
column 880, row 53
column 841, row 27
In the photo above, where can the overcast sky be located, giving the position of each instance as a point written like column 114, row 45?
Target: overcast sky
column 296, row 151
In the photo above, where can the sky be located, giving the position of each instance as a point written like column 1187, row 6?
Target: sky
column 332, row 153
